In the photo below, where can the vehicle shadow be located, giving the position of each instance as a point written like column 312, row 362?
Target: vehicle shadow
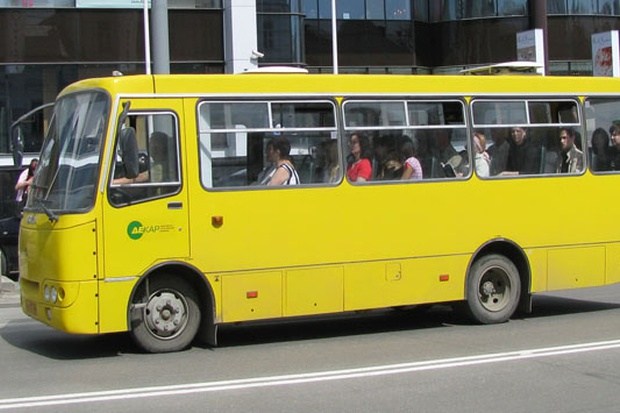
column 397, row 319
column 53, row 344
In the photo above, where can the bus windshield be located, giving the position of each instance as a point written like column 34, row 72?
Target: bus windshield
column 66, row 177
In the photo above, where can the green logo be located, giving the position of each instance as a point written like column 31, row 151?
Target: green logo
column 135, row 230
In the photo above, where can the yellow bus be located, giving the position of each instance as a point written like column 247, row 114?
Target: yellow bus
column 150, row 214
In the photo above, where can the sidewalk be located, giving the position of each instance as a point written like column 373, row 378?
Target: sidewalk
column 9, row 292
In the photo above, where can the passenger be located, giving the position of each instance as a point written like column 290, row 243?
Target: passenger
column 499, row 153
column 600, row 150
column 444, row 151
column 331, row 170
column 412, row 167
column 571, row 159
column 359, row 167
column 614, row 151
column 23, row 183
column 481, row 157
column 284, row 173
column 449, row 163
column 158, row 152
column 524, row 156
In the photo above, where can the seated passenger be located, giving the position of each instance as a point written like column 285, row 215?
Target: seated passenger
column 159, row 157
column 412, row 167
column 600, row 150
column 524, row 156
column 331, row 167
column 571, row 159
column 614, row 151
column 447, row 162
column 359, row 167
column 481, row 157
column 284, row 173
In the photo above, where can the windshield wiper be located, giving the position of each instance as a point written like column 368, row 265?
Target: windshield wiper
column 50, row 215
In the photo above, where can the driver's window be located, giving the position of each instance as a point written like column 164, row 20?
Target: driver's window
column 146, row 164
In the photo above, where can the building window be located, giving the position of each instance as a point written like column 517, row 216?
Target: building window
column 310, row 8
column 350, row 9
column 375, row 10
column 582, row 6
column 512, row 8
column 398, row 9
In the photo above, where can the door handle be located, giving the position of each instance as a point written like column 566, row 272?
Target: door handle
column 175, row 205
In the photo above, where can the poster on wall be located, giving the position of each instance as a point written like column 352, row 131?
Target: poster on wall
column 605, row 54
column 111, row 4
column 531, row 48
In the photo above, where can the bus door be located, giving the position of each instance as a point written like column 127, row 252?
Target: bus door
column 145, row 217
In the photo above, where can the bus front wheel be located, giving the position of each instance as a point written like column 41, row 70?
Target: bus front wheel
column 168, row 316
column 493, row 289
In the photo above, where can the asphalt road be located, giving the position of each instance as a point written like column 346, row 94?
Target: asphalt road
column 563, row 358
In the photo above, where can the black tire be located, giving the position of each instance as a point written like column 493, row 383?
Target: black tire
column 493, row 289
column 168, row 315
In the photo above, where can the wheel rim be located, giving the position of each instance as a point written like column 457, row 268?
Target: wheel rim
column 494, row 289
column 166, row 314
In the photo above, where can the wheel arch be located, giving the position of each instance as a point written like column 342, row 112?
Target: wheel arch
column 197, row 280
column 514, row 253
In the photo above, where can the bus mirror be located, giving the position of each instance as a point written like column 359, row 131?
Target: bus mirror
column 129, row 152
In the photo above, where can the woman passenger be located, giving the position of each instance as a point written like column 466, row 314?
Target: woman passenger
column 359, row 167
column 412, row 169
column 279, row 149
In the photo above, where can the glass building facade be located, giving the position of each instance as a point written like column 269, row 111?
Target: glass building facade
column 47, row 44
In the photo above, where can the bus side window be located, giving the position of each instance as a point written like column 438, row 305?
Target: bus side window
column 158, row 166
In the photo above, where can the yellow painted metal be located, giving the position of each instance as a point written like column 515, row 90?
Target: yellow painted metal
column 576, row 267
column 252, row 296
column 311, row 250
column 314, row 291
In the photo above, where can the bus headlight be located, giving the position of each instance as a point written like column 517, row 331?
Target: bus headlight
column 53, row 295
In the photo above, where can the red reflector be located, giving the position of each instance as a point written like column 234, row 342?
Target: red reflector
column 444, row 277
column 251, row 294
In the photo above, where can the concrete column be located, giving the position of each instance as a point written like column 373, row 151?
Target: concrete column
column 160, row 37
column 538, row 20
column 240, row 36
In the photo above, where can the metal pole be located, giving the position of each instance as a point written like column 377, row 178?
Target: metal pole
column 538, row 20
column 147, row 38
column 334, row 38
column 161, row 47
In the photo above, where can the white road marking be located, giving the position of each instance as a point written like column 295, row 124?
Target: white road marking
column 291, row 379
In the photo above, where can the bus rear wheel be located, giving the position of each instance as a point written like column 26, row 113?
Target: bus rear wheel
column 168, row 316
column 493, row 289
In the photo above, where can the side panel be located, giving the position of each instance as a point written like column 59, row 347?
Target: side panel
column 576, row 267
column 314, row 291
column 113, row 296
column 413, row 281
column 252, row 296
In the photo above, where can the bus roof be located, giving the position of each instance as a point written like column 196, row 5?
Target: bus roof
column 347, row 84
